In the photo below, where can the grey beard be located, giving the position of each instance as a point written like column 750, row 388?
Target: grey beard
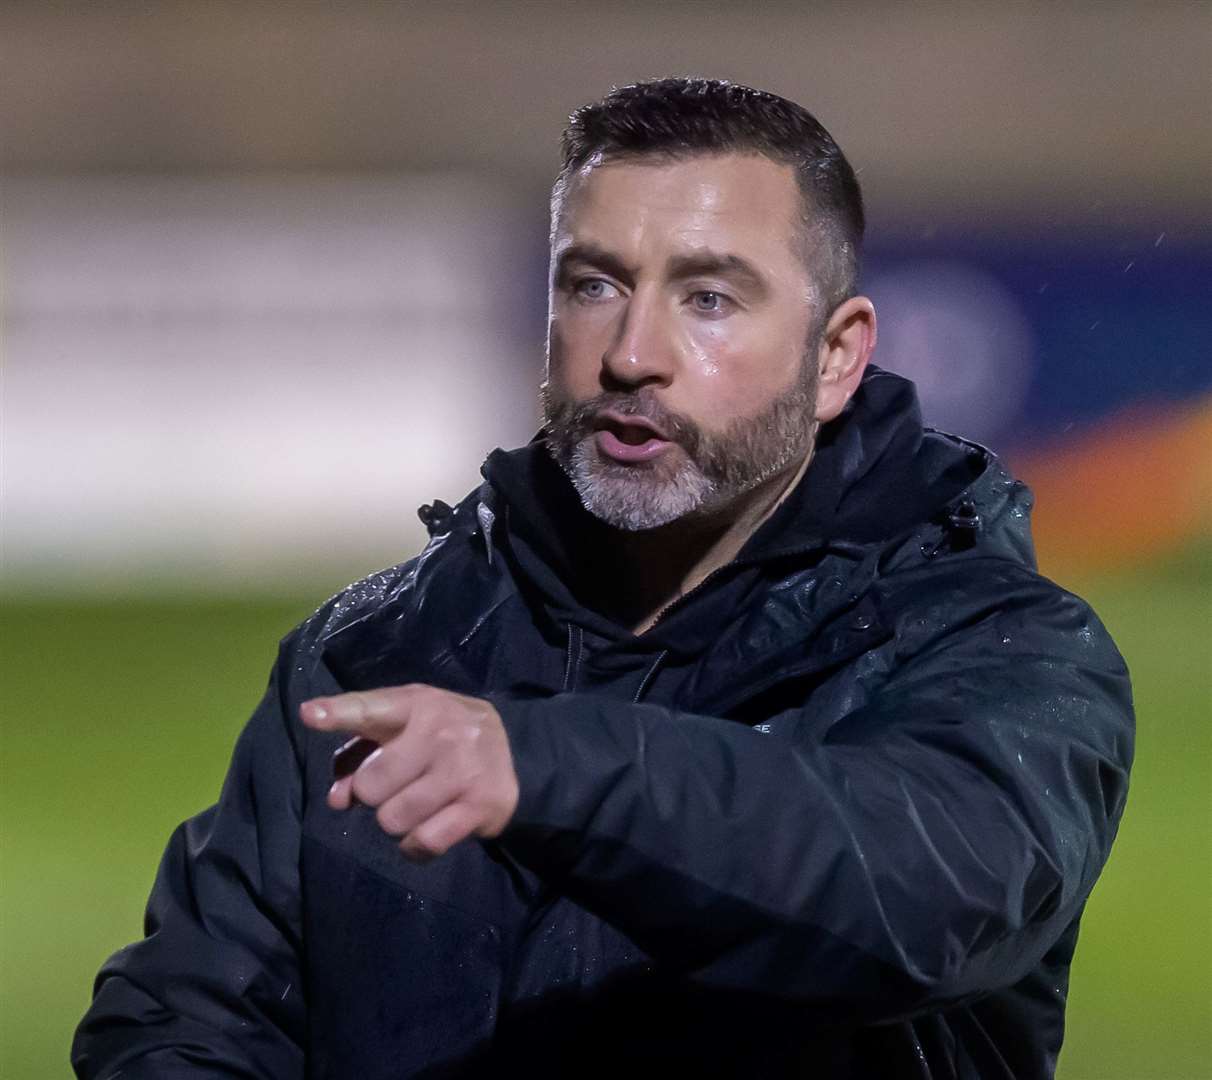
column 631, row 502
column 714, row 471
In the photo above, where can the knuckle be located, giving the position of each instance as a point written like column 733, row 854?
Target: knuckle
column 388, row 818
column 423, row 721
column 420, row 694
column 396, row 702
column 406, row 692
column 462, row 769
column 429, row 844
column 365, row 790
column 475, row 778
column 413, row 803
column 403, row 811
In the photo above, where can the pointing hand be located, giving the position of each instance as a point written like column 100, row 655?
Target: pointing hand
column 442, row 770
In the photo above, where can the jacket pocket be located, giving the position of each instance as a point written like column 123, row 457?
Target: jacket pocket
column 398, row 983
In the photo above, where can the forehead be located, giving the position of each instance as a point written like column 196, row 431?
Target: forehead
column 736, row 202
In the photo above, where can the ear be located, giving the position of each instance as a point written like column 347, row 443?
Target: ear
column 842, row 356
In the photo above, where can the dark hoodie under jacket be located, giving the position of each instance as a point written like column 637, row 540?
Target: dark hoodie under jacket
column 835, row 815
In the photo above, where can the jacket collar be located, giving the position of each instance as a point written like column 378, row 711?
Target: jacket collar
column 875, row 475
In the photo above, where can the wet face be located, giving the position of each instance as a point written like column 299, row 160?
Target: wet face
column 681, row 376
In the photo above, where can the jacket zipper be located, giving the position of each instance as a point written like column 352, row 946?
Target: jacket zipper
column 736, row 564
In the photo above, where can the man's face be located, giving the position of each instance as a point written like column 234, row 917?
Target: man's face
column 680, row 375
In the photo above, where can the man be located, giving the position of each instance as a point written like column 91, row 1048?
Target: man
column 725, row 730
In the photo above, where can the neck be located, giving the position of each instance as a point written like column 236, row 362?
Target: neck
column 658, row 566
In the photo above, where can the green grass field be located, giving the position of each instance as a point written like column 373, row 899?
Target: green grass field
column 118, row 718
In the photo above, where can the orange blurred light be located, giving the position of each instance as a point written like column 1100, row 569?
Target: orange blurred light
column 1136, row 487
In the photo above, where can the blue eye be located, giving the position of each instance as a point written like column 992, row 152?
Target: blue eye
column 709, row 302
column 593, row 289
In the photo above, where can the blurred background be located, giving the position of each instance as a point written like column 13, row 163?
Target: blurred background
column 273, row 275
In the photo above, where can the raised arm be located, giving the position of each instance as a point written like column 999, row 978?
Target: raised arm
column 933, row 845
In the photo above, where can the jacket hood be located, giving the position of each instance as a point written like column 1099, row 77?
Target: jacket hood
column 877, row 475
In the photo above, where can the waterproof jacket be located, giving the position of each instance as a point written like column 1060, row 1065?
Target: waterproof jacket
column 835, row 815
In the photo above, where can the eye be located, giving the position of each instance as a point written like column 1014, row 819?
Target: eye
column 710, row 303
column 593, row 289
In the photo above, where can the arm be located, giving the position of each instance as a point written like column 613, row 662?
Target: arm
column 214, row 988
column 933, row 846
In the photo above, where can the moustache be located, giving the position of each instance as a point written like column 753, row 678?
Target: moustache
column 580, row 419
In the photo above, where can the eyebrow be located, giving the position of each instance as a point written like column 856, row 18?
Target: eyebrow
column 714, row 264
column 594, row 255
column 680, row 267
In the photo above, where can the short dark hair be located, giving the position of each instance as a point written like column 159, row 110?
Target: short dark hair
column 679, row 118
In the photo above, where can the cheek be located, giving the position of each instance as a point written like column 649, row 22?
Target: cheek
column 711, row 350
column 570, row 352
column 734, row 370
column 561, row 350
column 555, row 346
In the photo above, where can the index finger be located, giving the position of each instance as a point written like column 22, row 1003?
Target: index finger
column 374, row 714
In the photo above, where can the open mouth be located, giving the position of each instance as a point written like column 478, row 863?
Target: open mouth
column 630, row 429
column 628, row 438
column 632, row 434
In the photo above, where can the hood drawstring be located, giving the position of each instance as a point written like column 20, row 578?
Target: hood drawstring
column 646, row 681
column 572, row 663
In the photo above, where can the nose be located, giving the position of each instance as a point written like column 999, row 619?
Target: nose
column 641, row 351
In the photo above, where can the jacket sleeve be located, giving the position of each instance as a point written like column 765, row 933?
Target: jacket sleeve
column 214, row 988
column 932, row 846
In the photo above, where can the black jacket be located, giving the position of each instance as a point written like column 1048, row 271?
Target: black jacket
column 835, row 815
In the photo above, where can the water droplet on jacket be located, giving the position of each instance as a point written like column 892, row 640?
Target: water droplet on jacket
column 862, row 621
column 1005, row 639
